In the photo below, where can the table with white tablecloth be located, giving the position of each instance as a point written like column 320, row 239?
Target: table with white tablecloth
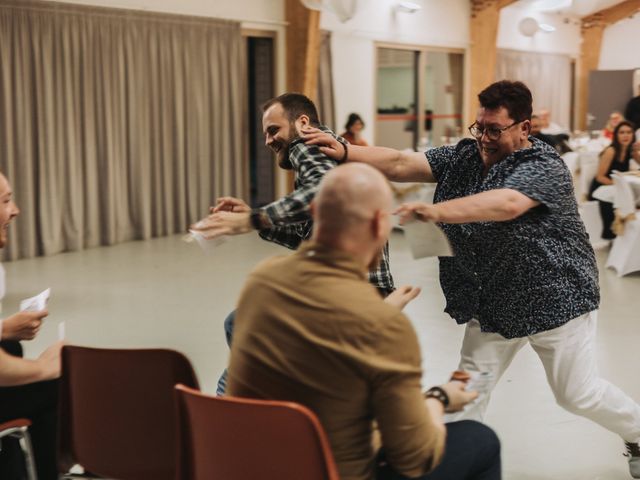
column 606, row 193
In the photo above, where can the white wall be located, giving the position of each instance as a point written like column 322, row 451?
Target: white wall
column 620, row 45
column 565, row 40
column 353, row 80
column 440, row 23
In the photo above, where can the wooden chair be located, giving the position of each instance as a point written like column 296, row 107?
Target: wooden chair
column 19, row 429
column 118, row 411
column 234, row 438
column 624, row 256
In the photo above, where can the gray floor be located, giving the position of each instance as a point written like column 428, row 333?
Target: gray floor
column 166, row 293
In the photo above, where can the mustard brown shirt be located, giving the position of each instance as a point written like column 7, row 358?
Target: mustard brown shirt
column 312, row 330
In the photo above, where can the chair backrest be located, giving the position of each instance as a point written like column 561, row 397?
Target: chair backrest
column 623, row 199
column 235, row 438
column 588, row 169
column 118, row 411
column 571, row 160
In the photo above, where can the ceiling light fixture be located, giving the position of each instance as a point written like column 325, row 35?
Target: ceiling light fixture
column 408, row 7
column 529, row 26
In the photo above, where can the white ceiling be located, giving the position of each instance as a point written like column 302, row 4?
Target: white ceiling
column 579, row 8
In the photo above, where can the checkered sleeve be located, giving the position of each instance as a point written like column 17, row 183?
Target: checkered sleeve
column 289, row 217
column 310, row 165
column 289, row 236
column 380, row 277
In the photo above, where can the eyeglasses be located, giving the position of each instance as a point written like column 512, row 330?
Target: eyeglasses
column 492, row 133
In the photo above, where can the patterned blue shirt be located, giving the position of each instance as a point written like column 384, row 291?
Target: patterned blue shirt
column 290, row 216
column 522, row 276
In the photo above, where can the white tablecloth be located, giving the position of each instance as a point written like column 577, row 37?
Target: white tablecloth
column 588, row 164
column 605, row 193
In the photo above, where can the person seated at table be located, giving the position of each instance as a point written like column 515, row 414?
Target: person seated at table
column 549, row 127
column 614, row 119
column 614, row 157
column 560, row 141
column 353, row 130
column 536, row 131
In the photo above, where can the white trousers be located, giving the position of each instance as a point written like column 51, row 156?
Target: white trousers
column 568, row 356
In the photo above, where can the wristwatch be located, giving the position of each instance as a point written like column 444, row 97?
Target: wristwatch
column 439, row 394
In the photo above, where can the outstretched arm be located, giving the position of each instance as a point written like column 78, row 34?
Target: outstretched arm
column 19, row 371
column 498, row 205
column 396, row 165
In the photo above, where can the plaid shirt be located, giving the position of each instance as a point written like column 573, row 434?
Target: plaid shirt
column 290, row 216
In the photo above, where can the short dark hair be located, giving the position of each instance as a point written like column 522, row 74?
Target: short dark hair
column 514, row 96
column 294, row 105
column 353, row 119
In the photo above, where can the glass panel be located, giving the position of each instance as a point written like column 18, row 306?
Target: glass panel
column 443, row 90
column 260, row 61
column 396, row 98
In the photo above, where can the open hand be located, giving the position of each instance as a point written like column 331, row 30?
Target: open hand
column 458, row 396
column 327, row 144
column 230, row 204
column 402, row 296
column 416, row 211
column 223, row 223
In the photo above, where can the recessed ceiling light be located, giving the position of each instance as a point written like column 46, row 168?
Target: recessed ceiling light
column 408, row 7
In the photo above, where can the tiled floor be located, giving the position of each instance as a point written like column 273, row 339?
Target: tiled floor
column 167, row 293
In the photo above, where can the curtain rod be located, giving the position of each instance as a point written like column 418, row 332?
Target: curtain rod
column 279, row 23
column 75, row 8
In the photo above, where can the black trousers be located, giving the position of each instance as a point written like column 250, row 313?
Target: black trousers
column 607, row 213
column 608, row 216
column 39, row 403
column 472, row 452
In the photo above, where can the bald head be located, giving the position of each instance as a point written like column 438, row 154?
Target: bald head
column 352, row 208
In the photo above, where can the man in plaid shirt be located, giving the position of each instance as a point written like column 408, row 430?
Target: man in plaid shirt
column 287, row 221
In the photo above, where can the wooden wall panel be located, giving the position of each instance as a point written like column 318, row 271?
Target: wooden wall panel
column 303, row 48
column 485, row 18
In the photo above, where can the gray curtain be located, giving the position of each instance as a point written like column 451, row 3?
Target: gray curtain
column 326, row 102
column 547, row 75
column 115, row 124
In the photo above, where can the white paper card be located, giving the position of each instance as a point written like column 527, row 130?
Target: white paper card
column 480, row 382
column 207, row 246
column 37, row 303
column 426, row 239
